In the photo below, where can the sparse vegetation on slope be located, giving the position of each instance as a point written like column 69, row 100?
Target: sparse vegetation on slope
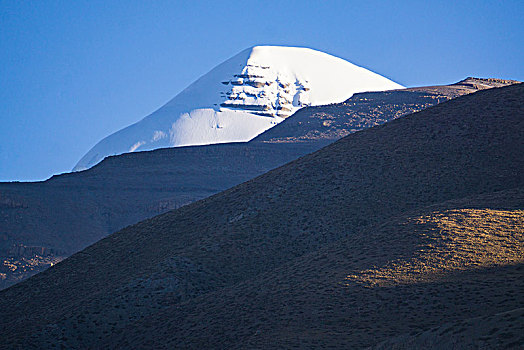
column 463, row 238
column 340, row 297
column 266, row 263
column 497, row 331
column 71, row 211
column 365, row 110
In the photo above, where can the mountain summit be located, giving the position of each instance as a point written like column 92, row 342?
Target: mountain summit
column 241, row 98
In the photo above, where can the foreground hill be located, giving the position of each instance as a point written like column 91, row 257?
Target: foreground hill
column 434, row 265
column 44, row 222
column 392, row 230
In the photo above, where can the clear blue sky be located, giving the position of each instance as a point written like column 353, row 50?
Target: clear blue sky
column 72, row 72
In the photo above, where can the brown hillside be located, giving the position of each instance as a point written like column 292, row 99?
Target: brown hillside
column 181, row 271
column 364, row 110
column 457, row 260
column 44, row 222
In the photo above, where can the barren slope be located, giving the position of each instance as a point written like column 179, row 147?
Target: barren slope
column 364, row 110
column 43, row 222
column 218, row 270
column 444, row 263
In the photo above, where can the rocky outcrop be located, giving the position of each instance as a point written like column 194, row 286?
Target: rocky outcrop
column 261, row 90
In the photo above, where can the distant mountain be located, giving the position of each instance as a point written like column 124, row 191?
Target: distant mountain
column 389, row 231
column 241, row 98
column 44, row 222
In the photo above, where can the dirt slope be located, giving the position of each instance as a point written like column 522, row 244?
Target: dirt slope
column 447, row 262
column 42, row 223
column 228, row 268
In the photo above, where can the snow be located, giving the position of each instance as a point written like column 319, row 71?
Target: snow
column 241, row 98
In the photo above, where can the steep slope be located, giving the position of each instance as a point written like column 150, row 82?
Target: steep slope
column 41, row 223
column 44, row 222
column 256, row 262
column 241, row 98
column 365, row 110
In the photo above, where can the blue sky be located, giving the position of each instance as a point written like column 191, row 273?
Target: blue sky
column 73, row 72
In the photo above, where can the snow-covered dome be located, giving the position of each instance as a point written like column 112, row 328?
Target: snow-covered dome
column 241, row 98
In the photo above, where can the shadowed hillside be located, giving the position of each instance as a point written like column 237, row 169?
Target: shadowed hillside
column 44, row 222
column 392, row 230
column 405, row 276
column 502, row 330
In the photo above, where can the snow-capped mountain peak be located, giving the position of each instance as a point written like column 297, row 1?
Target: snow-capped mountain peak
column 241, row 98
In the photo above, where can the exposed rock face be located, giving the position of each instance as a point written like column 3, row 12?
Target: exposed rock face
column 262, row 91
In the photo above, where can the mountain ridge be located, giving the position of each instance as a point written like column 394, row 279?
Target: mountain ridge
column 467, row 147
column 70, row 211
